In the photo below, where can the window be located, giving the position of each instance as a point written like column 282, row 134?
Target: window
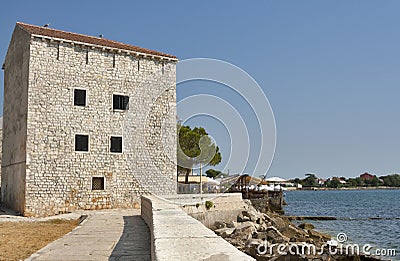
column 81, row 142
column 120, row 102
column 87, row 57
column 98, row 183
column 116, row 144
column 79, row 97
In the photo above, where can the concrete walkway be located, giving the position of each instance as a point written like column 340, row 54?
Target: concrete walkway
column 104, row 235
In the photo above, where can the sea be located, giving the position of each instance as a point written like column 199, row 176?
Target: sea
column 363, row 216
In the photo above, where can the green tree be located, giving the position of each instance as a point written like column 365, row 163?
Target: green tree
column 212, row 173
column 391, row 180
column 296, row 180
column 375, row 181
column 360, row 182
column 352, row 182
column 195, row 147
column 310, row 180
column 333, row 183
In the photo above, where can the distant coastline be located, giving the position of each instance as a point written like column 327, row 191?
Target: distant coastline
column 347, row 188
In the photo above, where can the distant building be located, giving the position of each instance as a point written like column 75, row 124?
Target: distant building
column 367, row 176
column 66, row 103
column 321, row 181
column 341, row 180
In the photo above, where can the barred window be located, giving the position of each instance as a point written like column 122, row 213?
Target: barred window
column 98, row 183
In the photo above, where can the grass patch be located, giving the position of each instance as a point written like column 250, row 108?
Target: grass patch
column 19, row 240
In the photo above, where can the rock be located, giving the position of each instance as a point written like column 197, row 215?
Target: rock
column 261, row 235
column 253, row 215
column 242, row 218
column 271, row 235
column 306, row 226
column 254, row 228
column 278, row 222
column 266, row 217
column 219, row 224
column 245, row 226
column 318, row 236
column 244, row 231
column 254, row 243
column 252, row 249
column 275, row 236
column 295, row 234
column 224, row 232
column 232, row 224
column 263, row 227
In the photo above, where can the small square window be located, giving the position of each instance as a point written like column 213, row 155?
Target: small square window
column 79, row 97
column 98, row 183
column 116, row 144
column 120, row 102
column 81, row 142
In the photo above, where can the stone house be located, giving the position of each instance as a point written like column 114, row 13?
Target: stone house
column 88, row 123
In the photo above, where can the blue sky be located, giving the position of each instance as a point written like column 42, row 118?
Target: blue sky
column 330, row 69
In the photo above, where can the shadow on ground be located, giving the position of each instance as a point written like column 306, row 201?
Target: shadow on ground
column 134, row 243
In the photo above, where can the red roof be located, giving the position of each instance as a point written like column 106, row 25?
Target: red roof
column 45, row 31
column 367, row 176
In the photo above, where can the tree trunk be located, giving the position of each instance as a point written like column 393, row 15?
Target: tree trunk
column 187, row 176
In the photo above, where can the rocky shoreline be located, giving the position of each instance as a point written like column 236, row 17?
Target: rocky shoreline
column 348, row 188
column 271, row 236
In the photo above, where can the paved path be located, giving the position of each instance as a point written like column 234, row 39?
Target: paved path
column 104, row 235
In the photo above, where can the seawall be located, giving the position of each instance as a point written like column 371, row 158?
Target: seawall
column 177, row 236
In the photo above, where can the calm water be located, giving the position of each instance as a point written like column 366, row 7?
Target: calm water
column 354, row 208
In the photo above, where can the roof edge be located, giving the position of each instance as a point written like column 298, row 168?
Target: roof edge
column 40, row 31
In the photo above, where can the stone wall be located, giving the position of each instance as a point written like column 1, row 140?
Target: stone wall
column 225, row 206
column 1, row 142
column 58, row 179
column 14, row 121
column 177, row 236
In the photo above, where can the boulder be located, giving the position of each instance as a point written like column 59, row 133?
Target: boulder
column 261, row 235
column 263, row 227
column 241, row 218
column 232, row 224
column 245, row 227
column 244, row 231
column 278, row 222
column 271, row 235
column 295, row 234
column 219, row 224
column 253, row 215
column 224, row 232
column 275, row 236
column 254, row 243
column 318, row 236
column 306, row 226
